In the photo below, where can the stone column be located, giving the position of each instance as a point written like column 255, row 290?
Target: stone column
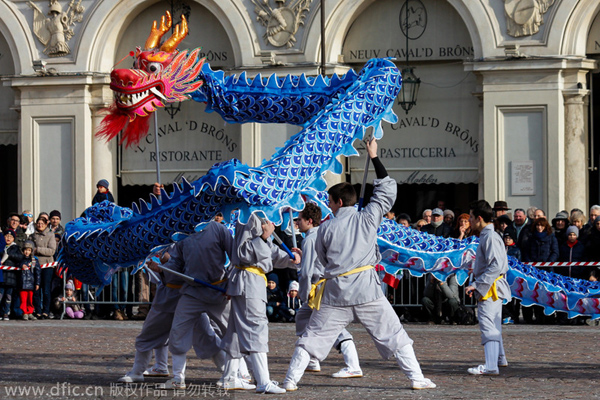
column 104, row 158
column 576, row 172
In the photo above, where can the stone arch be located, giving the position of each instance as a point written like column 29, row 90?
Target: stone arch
column 573, row 37
column 15, row 30
column 103, row 44
column 340, row 19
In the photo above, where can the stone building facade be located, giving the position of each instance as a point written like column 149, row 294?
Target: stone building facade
column 505, row 109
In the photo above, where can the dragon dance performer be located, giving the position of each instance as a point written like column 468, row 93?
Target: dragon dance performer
column 490, row 286
column 202, row 256
column 311, row 270
column 248, row 332
column 347, row 247
column 157, row 327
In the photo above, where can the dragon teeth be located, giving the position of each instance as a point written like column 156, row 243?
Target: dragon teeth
column 131, row 99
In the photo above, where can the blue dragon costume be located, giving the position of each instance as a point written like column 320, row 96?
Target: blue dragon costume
column 334, row 112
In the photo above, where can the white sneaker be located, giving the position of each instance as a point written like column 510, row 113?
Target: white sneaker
column 238, row 384
column 270, row 388
column 346, row 373
column 130, row 378
column 246, row 377
column 423, row 384
column 313, row 366
column 172, row 384
column 289, row 386
column 156, row 373
column 481, row 370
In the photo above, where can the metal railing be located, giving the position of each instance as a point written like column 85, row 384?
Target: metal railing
column 121, row 294
column 411, row 289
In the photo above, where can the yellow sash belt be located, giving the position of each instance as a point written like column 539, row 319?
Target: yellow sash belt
column 173, row 286
column 493, row 292
column 255, row 270
column 315, row 295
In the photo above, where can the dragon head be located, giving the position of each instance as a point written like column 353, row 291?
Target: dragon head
column 160, row 75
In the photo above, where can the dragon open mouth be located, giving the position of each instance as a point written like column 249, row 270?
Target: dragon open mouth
column 128, row 98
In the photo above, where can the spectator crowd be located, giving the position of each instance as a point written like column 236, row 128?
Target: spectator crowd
column 530, row 236
column 31, row 286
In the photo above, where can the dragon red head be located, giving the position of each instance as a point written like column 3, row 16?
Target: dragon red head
column 161, row 75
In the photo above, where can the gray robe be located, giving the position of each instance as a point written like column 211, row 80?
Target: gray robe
column 349, row 241
column 311, row 270
column 202, row 256
column 248, row 324
column 490, row 262
column 343, row 243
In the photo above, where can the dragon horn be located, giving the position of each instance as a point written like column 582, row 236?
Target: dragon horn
column 180, row 33
column 157, row 33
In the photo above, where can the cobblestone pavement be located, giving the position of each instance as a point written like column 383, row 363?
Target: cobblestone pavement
column 68, row 358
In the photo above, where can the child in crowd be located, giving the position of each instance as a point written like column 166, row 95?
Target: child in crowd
column 30, row 279
column 12, row 258
column 102, row 193
column 293, row 301
column 511, row 310
column 511, row 247
column 74, row 311
column 276, row 309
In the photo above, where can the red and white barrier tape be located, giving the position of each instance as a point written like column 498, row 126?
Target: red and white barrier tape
column 47, row 265
column 564, row 264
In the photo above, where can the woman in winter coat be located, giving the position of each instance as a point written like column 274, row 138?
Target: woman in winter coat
column 541, row 246
column 45, row 247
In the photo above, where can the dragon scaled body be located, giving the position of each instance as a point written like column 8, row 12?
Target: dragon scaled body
column 333, row 113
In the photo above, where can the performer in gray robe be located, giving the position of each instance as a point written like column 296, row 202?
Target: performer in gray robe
column 347, row 247
column 247, row 332
column 311, row 270
column 157, row 326
column 202, row 255
column 490, row 286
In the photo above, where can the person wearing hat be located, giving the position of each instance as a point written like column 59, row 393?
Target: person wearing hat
column 503, row 224
column 55, row 226
column 72, row 309
column 509, row 237
column 30, row 280
column 293, row 301
column 102, row 193
column 437, row 226
column 500, row 208
column 276, row 308
column 449, row 218
column 11, row 257
column 573, row 250
column 559, row 225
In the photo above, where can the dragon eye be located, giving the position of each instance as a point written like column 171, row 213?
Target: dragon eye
column 154, row 67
